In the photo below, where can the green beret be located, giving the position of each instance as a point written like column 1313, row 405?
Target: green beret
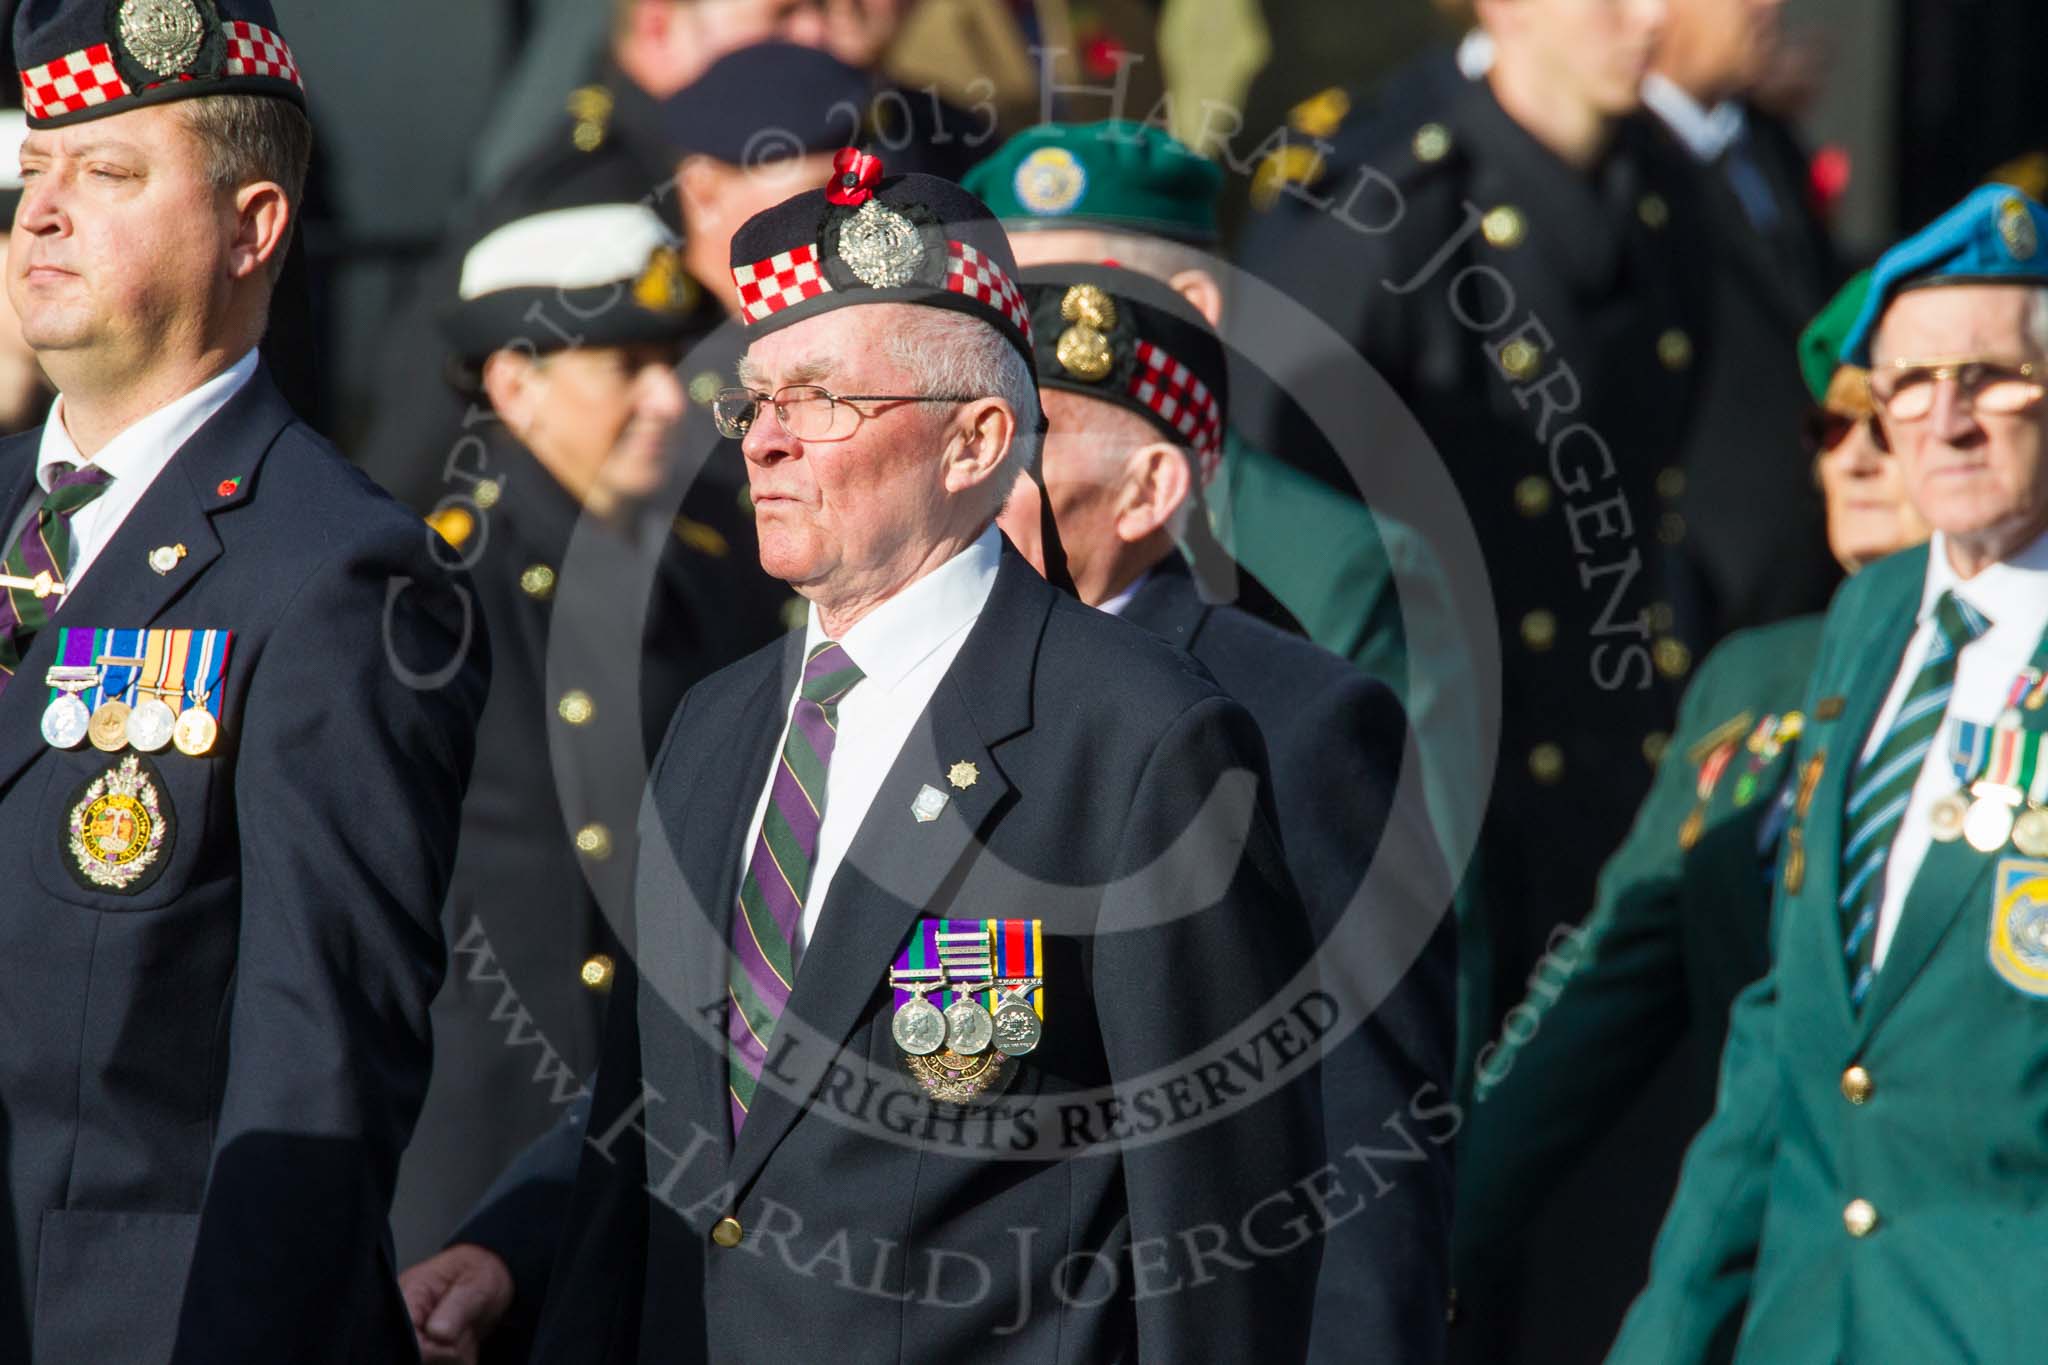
column 1119, row 175
column 1820, row 345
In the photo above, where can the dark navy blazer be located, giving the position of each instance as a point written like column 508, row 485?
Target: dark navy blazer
column 207, row 1080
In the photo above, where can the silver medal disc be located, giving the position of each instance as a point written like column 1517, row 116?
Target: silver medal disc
column 150, row 726
column 919, row 1028
column 1945, row 821
column 65, row 722
column 1988, row 825
column 1017, row 1029
column 968, row 1027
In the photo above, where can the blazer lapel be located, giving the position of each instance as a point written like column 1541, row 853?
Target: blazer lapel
column 898, row 867
column 1951, row 877
column 121, row 589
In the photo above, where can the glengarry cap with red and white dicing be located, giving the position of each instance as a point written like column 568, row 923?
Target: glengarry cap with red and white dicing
column 869, row 237
column 88, row 59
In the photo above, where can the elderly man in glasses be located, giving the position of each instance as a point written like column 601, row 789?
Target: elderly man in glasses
column 1861, row 1193
column 949, row 907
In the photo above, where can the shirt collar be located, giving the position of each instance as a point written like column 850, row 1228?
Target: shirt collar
column 1117, row 605
column 893, row 639
column 145, row 446
column 2012, row 592
column 1706, row 133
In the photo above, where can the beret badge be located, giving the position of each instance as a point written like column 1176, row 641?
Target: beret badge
column 1050, row 181
column 1082, row 350
column 664, row 285
column 163, row 37
column 881, row 247
column 2016, row 230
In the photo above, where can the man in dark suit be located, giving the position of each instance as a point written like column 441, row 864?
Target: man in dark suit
column 229, row 893
column 581, row 560
column 1125, row 465
column 794, row 1150
column 1754, row 553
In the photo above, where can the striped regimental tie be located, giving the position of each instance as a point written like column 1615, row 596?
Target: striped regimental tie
column 765, row 935
column 44, row 548
column 1883, row 783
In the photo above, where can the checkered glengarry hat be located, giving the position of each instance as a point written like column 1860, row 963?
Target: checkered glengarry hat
column 1113, row 334
column 88, row 59
column 866, row 239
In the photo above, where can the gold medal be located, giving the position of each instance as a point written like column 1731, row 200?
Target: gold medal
column 109, row 729
column 196, row 731
column 955, row 1079
column 1945, row 821
column 2030, row 833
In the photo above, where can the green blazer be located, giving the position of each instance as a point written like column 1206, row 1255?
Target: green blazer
column 1766, row 1254
column 1677, row 930
column 1333, row 564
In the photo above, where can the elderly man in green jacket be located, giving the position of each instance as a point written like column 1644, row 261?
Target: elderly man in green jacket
column 1869, row 1188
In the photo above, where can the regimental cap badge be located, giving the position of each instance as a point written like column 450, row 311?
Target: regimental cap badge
column 1050, row 181
column 2016, row 229
column 882, row 247
column 1082, row 350
column 665, row 286
column 164, row 37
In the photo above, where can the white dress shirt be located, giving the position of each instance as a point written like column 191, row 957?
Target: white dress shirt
column 2013, row 596
column 1115, row 605
column 903, row 649
column 134, row 458
column 1706, row 133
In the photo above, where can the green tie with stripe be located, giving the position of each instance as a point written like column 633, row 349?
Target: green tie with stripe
column 43, row 549
column 1883, row 784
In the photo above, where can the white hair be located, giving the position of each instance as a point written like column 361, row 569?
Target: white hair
column 948, row 352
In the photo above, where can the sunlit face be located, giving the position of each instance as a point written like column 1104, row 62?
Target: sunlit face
column 1868, row 513
column 599, row 419
column 1596, row 50
column 836, row 516
column 1975, row 475
column 119, row 243
column 1721, row 45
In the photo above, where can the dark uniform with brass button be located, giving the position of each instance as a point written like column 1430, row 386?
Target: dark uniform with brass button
column 1543, row 325
column 598, row 626
column 1635, row 1002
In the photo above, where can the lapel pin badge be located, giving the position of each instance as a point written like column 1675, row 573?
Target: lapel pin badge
column 963, row 774
column 164, row 558
column 930, row 801
column 229, row 487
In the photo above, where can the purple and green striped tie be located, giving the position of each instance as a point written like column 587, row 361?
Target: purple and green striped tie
column 1883, row 784
column 765, row 931
column 44, row 548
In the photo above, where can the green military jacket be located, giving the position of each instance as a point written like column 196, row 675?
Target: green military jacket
column 1369, row 588
column 1678, row 928
column 1871, row 1188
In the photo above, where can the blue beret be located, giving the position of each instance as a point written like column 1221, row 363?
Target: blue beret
column 1995, row 236
column 88, row 59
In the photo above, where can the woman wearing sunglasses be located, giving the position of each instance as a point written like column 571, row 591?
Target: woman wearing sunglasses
column 1678, row 923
